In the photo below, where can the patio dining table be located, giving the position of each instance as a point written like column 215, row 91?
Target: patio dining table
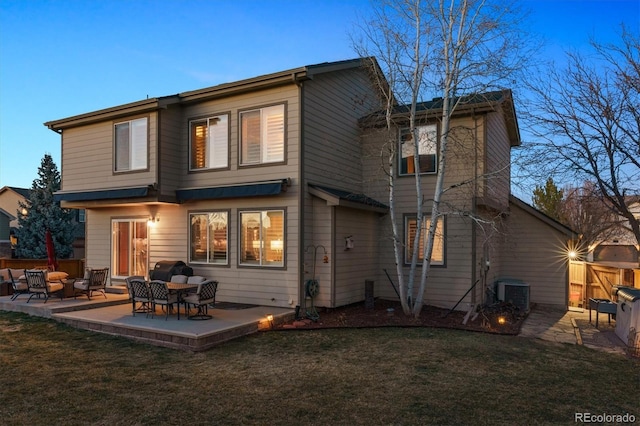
column 180, row 289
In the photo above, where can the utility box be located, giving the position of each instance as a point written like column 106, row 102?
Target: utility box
column 513, row 291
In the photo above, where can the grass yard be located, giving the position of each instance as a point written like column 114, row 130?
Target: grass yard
column 54, row 374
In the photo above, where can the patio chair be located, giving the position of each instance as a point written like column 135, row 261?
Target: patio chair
column 37, row 284
column 160, row 295
column 19, row 286
column 94, row 280
column 139, row 294
column 204, row 295
column 180, row 279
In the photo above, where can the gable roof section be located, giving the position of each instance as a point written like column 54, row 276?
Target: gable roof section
column 465, row 105
column 338, row 197
column 543, row 217
column 23, row 192
column 291, row 76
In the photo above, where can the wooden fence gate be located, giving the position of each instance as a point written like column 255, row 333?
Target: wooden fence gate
column 592, row 280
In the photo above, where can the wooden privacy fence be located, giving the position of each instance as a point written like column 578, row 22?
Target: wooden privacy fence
column 73, row 267
column 592, row 280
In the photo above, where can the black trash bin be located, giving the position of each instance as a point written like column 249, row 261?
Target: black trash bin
column 165, row 269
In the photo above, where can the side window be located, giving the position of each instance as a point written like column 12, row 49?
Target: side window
column 209, row 143
column 262, row 238
column 208, row 238
column 262, row 135
column 437, row 256
column 131, row 145
column 427, row 150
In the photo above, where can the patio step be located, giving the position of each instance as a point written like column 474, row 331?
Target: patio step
column 116, row 289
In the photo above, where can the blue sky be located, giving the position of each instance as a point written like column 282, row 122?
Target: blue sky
column 62, row 58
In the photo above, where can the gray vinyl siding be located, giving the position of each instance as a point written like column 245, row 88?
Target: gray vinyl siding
column 356, row 265
column 333, row 103
column 496, row 185
column 536, row 255
column 171, row 150
column 87, row 156
column 445, row 285
column 320, row 240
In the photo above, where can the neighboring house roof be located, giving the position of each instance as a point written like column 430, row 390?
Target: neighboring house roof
column 543, row 217
column 222, row 90
column 476, row 103
column 23, row 192
column 338, row 197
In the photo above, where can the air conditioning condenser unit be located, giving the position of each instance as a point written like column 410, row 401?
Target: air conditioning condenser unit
column 513, row 291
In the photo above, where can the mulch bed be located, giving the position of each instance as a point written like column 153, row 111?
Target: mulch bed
column 387, row 313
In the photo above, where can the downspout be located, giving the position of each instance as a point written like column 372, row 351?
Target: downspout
column 301, row 192
column 334, row 251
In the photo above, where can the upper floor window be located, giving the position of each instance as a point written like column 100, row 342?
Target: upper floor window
column 131, row 145
column 210, row 143
column 262, row 238
column 437, row 255
column 262, row 135
column 209, row 237
column 427, row 150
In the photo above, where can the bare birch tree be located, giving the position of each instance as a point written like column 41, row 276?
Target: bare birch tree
column 586, row 121
column 436, row 48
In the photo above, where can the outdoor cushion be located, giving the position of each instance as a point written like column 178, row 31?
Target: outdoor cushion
column 179, row 279
column 57, row 276
column 196, row 279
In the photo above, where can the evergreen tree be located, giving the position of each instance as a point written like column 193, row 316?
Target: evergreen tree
column 43, row 213
column 548, row 199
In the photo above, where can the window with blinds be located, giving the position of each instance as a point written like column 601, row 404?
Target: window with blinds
column 209, row 143
column 437, row 256
column 131, row 145
column 427, row 150
column 262, row 135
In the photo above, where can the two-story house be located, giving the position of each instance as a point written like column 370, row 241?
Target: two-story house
column 272, row 183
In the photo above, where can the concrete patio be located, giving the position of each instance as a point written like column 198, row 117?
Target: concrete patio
column 113, row 316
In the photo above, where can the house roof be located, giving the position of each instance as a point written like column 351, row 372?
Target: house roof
column 24, row 192
column 339, row 197
column 290, row 76
column 464, row 105
column 543, row 217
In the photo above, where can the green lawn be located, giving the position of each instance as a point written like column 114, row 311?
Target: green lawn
column 54, row 374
